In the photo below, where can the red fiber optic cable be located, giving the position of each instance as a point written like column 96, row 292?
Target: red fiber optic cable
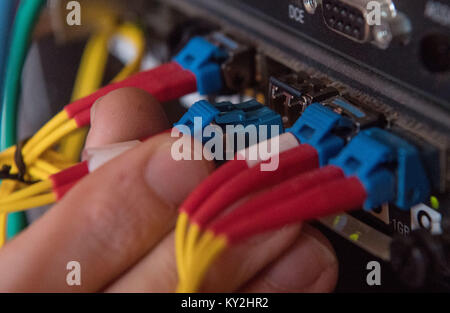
column 166, row 82
column 66, row 179
column 211, row 183
column 292, row 162
column 331, row 198
column 60, row 192
column 282, row 192
column 70, row 174
column 230, row 169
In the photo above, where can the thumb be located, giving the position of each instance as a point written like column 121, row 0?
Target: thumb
column 107, row 222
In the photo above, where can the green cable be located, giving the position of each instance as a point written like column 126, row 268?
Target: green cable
column 26, row 18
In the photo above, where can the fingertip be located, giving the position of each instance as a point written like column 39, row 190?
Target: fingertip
column 246, row 259
column 310, row 265
column 125, row 114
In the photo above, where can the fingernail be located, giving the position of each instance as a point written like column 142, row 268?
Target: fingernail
column 173, row 180
column 300, row 269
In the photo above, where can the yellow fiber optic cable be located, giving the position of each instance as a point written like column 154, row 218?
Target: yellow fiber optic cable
column 30, row 191
column 92, row 66
column 51, row 125
column 56, row 159
column 180, row 233
column 192, row 235
column 29, row 203
column 40, row 169
column 54, row 156
column 37, row 174
column 58, row 120
column 46, row 166
column 6, row 188
column 3, row 218
column 89, row 78
column 8, row 153
column 50, row 140
column 206, row 257
column 184, row 264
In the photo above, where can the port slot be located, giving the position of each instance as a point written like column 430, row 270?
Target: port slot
column 292, row 93
column 358, row 116
column 239, row 69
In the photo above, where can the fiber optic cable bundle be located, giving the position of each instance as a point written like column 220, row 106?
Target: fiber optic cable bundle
column 88, row 80
column 319, row 174
column 159, row 82
column 34, row 174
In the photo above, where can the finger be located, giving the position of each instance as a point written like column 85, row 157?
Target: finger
column 125, row 114
column 122, row 115
column 157, row 271
column 310, row 265
column 106, row 231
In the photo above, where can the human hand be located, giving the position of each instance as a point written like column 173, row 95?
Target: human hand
column 118, row 223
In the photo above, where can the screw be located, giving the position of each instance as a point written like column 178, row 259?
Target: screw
column 382, row 35
column 311, row 5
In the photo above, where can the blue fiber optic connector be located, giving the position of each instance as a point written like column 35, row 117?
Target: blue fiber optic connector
column 203, row 59
column 249, row 113
column 201, row 111
column 388, row 166
column 226, row 113
column 315, row 127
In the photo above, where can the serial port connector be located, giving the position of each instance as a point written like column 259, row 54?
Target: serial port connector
column 366, row 20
